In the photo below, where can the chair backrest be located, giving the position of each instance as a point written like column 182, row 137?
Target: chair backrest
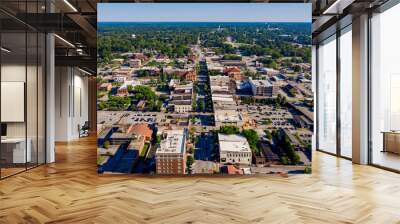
column 86, row 125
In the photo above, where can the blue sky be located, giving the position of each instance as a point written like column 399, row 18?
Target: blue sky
column 203, row 12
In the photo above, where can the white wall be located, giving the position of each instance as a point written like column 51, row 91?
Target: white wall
column 71, row 102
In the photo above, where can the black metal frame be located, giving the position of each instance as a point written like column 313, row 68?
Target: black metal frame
column 337, row 35
column 387, row 5
column 338, row 98
column 44, row 70
column 370, row 162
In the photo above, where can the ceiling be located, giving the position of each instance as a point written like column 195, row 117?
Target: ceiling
column 74, row 22
column 329, row 15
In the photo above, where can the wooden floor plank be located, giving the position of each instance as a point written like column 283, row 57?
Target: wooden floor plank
column 70, row 191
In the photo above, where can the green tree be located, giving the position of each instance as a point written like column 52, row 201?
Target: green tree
column 229, row 130
column 268, row 134
column 130, row 88
column 287, row 150
column 189, row 163
column 194, row 105
column 142, row 92
column 252, row 138
column 106, row 144
column 158, row 139
column 273, row 65
column 202, row 105
column 297, row 68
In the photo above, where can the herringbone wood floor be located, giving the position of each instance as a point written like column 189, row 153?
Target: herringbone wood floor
column 70, row 191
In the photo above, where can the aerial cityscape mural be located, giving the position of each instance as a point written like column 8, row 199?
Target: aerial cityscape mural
column 193, row 89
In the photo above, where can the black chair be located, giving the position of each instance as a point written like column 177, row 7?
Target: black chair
column 84, row 130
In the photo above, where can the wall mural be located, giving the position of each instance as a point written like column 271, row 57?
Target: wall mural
column 204, row 88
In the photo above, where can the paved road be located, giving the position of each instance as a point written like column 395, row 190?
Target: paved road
column 204, row 80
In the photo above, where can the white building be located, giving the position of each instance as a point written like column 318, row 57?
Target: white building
column 171, row 154
column 173, row 83
column 234, row 149
column 223, row 102
column 221, row 84
column 227, row 117
column 119, row 78
column 182, row 106
column 263, row 88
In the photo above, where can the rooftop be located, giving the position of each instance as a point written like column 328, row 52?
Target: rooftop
column 142, row 129
column 120, row 135
column 232, row 70
column 233, row 143
column 173, row 143
column 104, row 133
column 260, row 83
column 222, row 97
column 227, row 116
column 219, row 79
column 181, row 102
column 106, row 84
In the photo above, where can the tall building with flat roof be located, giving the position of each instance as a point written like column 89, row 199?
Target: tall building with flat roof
column 263, row 88
column 171, row 154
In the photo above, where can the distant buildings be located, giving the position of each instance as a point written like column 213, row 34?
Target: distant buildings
column 135, row 63
column 141, row 129
column 268, row 71
column 117, row 61
column 210, row 53
column 234, row 149
column 173, row 83
column 234, row 73
column 231, row 170
column 233, row 63
column 137, row 143
column 118, row 138
column 223, row 102
column 122, row 91
column 148, row 70
column 129, row 134
column 225, row 107
column 222, row 84
column 182, row 106
column 291, row 89
column 231, row 70
column 303, row 121
column 267, row 156
column 227, row 117
column 263, row 88
column 188, row 74
column 119, row 78
column 139, row 56
column 105, row 87
column 181, row 98
column 171, row 154
column 121, row 74
column 304, row 111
